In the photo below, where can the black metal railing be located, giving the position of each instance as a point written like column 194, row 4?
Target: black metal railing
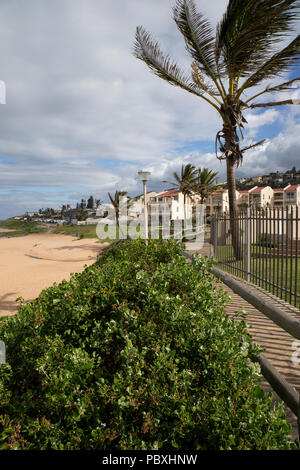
column 268, row 248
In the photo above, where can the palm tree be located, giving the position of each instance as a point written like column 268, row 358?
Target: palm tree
column 98, row 203
column 116, row 202
column 225, row 66
column 184, row 182
column 205, row 183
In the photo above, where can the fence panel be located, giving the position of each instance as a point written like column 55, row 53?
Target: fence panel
column 269, row 244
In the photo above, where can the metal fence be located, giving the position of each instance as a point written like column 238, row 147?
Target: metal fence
column 269, row 246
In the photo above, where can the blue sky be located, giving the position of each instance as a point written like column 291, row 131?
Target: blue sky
column 83, row 115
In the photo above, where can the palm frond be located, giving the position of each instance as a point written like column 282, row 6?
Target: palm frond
column 111, row 199
column 274, row 103
column 253, row 145
column 250, row 30
column 223, row 30
column 147, row 50
column 185, row 180
column 198, row 36
column 277, row 64
column 199, row 80
column 116, row 200
column 286, row 86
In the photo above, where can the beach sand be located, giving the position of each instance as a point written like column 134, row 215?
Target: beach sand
column 29, row 264
column 6, row 230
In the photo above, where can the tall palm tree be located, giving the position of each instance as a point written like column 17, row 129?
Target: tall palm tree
column 184, row 182
column 205, row 183
column 225, row 66
column 117, row 204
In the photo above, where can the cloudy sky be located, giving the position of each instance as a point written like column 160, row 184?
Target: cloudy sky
column 83, row 115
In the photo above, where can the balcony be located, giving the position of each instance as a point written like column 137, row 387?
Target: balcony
column 216, row 201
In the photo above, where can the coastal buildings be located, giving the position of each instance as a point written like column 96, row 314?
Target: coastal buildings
column 171, row 201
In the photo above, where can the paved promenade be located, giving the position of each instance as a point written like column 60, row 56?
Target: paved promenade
column 277, row 344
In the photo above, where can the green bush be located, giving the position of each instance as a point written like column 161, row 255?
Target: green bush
column 135, row 352
column 267, row 240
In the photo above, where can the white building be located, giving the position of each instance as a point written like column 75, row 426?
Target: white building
column 261, row 197
column 292, row 195
column 171, row 202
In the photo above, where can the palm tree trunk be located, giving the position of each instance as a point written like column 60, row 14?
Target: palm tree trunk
column 234, row 223
column 117, row 224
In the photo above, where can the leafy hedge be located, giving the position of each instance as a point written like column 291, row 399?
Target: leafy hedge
column 135, row 352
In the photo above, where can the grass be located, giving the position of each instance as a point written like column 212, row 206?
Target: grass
column 266, row 271
column 20, row 227
column 84, row 231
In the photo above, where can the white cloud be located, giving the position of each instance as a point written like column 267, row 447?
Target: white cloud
column 257, row 120
column 77, row 96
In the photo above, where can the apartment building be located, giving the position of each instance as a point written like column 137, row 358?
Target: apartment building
column 243, row 198
column 218, row 202
column 171, row 201
column 136, row 205
column 261, row 197
column 278, row 197
column 288, row 196
column 292, row 195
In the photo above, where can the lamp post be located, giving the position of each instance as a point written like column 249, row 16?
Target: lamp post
column 144, row 177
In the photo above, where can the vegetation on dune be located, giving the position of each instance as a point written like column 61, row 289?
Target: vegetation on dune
column 135, row 352
column 20, row 227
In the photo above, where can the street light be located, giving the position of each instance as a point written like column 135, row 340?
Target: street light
column 144, row 177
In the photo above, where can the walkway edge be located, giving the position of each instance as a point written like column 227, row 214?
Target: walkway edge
column 278, row 316
column 279, row 384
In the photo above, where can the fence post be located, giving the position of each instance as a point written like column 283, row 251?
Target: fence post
column 215, row 237
column 248, row 245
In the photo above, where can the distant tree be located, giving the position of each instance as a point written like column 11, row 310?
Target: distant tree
column 116, row 202
column 90, row 203
column 81, row 215
column 63, row 210
column 98, row 203
column 205, row 183
column 184, row 182
column 83, row 204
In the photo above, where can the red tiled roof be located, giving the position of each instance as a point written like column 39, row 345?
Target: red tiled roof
column 292, row 188
column 242, row 191
column 171, row 192
column 278, row 189
column 258, row 190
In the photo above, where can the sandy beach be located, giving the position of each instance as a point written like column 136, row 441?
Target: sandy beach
column 31, row 263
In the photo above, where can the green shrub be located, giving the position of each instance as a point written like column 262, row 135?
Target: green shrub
column 266, row 240
column 135, row 352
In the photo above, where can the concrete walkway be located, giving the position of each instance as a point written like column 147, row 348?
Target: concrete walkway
column 277, row 344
